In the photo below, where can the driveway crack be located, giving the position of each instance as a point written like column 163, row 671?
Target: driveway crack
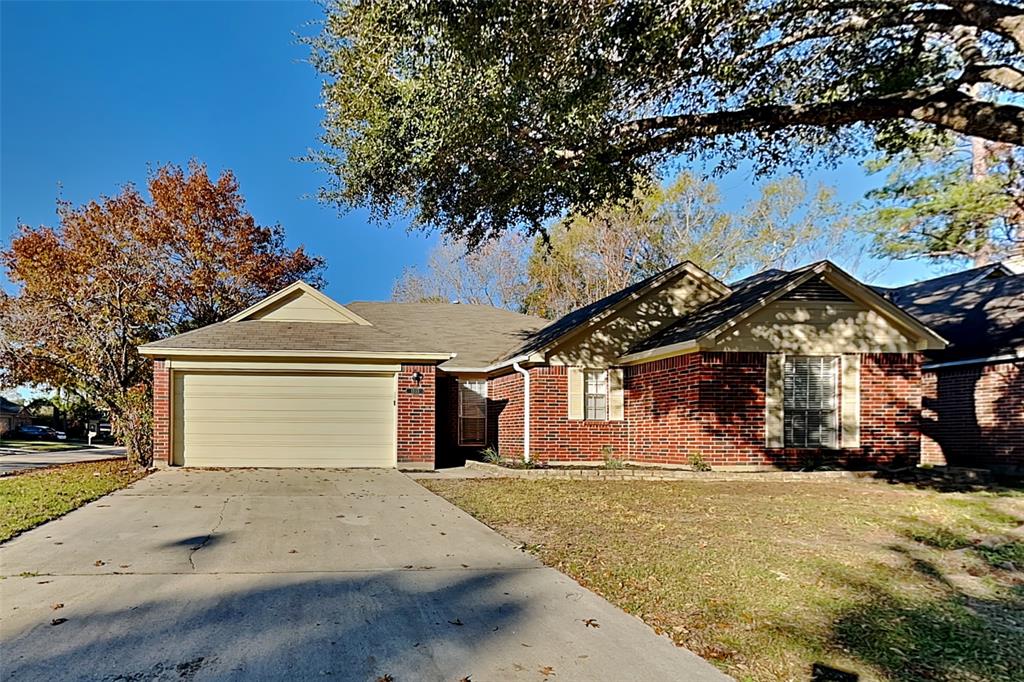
column 209, row 536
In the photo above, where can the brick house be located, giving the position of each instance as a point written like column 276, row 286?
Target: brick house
column 780, row 369
column 972, row 390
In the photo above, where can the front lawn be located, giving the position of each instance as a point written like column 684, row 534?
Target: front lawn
column 766, row 579
column 35, row 497
column 44, row 445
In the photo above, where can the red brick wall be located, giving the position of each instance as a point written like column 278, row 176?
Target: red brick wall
column 712, row 404
column 556, row 438
column 416, row 426
column 161, row 411
column 973, row 416
column 505, row 413
column 553, row 436
column 890, row 410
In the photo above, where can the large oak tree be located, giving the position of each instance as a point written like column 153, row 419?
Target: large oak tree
column 126, row 269
column 475, row 116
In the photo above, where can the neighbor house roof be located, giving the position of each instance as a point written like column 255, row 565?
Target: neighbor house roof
column 9, row 406
column 477, row 334
column 979, row 311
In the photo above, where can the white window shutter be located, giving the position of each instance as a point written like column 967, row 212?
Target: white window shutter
column 616, row 396
column 774, row 413
column 575, row 393
column 849, row 415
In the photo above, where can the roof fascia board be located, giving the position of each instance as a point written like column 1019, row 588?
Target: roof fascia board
column 659, row 353
column 991, row 359
column 237, row 352
column 299, row 285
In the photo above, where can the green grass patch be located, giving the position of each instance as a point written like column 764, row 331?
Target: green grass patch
column 45, row 445
column 766, row 579
column 35, row 497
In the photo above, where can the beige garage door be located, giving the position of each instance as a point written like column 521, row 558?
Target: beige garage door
column 284, row 420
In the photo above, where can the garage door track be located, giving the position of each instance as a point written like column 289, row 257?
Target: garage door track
column 302, row 574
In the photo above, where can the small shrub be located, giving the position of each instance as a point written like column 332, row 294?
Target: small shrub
column 490, row 455
column 610, row 460
column 698, row 463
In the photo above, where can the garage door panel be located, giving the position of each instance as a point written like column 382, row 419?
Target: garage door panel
column 324, row 428
column 285, row 420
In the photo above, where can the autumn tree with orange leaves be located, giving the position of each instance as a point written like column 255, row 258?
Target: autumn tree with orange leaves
column 128, row 269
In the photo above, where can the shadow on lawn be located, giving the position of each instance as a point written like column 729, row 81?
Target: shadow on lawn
column 938, row 633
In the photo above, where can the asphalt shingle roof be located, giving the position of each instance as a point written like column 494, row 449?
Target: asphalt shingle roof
column 979, row 315
column 477, row 334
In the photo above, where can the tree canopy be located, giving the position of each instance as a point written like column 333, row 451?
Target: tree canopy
column 585, row 258
column 477, row 116
column 949, row 199
column 124, row 270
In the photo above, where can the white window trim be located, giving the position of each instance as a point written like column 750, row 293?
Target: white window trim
column 459, row 384
column 836, row 406
column 607, row 397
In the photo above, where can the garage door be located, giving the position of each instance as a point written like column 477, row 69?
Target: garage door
column 284, row 420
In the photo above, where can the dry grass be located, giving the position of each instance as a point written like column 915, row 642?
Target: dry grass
column 35, row 497
column 767, row 578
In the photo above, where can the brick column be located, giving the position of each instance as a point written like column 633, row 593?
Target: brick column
column 161, row 411
column 416, row 418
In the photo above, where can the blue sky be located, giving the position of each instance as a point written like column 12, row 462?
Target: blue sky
column 93, row 93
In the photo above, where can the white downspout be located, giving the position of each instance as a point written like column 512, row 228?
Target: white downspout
column 526, row 410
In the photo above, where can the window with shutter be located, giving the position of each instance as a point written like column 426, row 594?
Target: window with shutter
column 472, row 411
column 809, row 401
column 595, row 395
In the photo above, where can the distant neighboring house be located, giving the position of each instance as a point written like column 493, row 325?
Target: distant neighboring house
column 12, row 415
column 781, row 369
column 973, row 390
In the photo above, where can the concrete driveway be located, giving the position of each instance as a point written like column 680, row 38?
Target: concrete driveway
column 301, row 574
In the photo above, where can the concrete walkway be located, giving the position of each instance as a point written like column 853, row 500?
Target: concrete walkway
column 26, row 459
column 301, row 574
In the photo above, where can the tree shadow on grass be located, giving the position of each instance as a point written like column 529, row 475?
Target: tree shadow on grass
column 940, row 632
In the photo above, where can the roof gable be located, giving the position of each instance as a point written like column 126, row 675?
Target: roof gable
column 820, row 281
column 299, row 302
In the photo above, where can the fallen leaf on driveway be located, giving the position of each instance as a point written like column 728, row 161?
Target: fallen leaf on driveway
column 58, row 621
column 591, row 623
column 293, row 551
column 385, row 678
column 57, row 605
column 456, row 622
column 547, row 671
column 99, row 562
